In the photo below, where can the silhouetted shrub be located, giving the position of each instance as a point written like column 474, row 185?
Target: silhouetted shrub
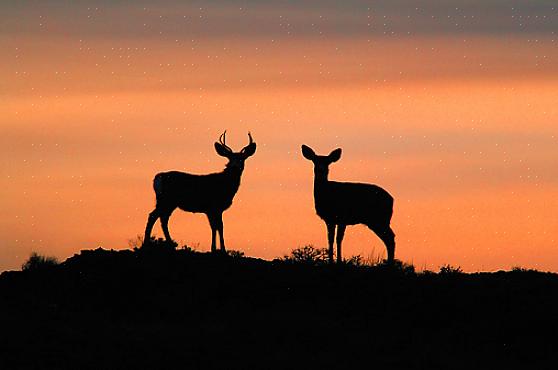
column 37, row 262
column 397, row 266
column 522, row 269
column 407, row 268
column 188, row 249
column 428, row 272
column 307, row 255
column 355, row 261
column 374, row 258
column 450, row 270
column 154, row 245
column 136, row 242
column 235, row 254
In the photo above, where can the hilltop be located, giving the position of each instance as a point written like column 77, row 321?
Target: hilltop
column 161, row 308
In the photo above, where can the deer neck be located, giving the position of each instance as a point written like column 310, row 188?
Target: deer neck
column 234, row 174
column 321, row 194
column 320, row 181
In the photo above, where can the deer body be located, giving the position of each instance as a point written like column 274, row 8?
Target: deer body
column 334, row 202
column 188, row 192
column 211, row 194
column 347, row 203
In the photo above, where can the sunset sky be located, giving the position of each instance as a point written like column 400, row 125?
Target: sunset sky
column 451, row 106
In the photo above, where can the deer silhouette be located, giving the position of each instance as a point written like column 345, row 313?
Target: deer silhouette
column 347, row 203
column 211, row 194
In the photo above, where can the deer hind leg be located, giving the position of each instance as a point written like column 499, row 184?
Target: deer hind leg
column 153, row 216
column 330, row 238
column 388, row 237
column 389, row 240
column 340, row 234
column 165, row 215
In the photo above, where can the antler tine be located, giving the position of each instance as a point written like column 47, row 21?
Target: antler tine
column 222, row 140
column 250, row 136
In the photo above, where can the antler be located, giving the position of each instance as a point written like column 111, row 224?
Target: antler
column 249, row 149
column 222, row 139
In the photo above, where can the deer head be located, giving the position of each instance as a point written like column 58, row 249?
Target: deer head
column 321, row 162
column 236, row 159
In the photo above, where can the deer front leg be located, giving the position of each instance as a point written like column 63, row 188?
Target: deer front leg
column 220, row 229
column 340, row 235
column 330, row 238
column 213, row 224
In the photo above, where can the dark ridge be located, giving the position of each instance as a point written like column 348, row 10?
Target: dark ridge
column 161, row 308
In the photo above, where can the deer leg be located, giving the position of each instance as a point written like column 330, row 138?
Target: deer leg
column 389, row 240
column 330, row 238
column 220, row 230
column 340, row 235
column 153, row 216
column 165, row 226
column 388, row 237
column 213, row 225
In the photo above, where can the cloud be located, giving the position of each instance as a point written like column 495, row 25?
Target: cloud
column 287, row 19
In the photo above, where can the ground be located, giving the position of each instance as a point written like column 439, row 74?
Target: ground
column 167, row 309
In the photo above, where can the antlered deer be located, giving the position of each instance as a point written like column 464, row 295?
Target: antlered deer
column 347, row 203
column 211, row 194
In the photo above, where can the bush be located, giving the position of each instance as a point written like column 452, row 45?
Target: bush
column 519, row 269
column 154, row 244
column 37, row 262
column 397, row 266
column 136, row 242
column 355, row 261
column 450, row 270
column 235, row 254
column 406, row 268
column 307, row 255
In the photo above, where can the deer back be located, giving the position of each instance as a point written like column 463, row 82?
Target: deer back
column 197, row 193
column 352, row 203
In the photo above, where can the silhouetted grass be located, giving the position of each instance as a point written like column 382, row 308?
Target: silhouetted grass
column 235, row 254
column 36, row 262
column 307, row 255
column 311, row 256
column 153, row 244
column 450, row 270
column 518, row 269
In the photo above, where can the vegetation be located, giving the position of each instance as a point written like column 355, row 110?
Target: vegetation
column 36, row 262
column 450, row 270
column 156, row 244
column 311, row 256
column 307, row 255
column 518, row 269
column 160, row 306
column 235, row 254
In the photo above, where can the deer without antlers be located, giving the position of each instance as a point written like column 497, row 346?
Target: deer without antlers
column 345, row 203
column 211, row 194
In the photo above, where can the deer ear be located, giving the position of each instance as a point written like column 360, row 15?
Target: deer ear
column 335, row 155
column 308, row 153
column 221, row 150
column 249, row 150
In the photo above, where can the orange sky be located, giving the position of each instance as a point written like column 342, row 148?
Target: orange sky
column 459, row 127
